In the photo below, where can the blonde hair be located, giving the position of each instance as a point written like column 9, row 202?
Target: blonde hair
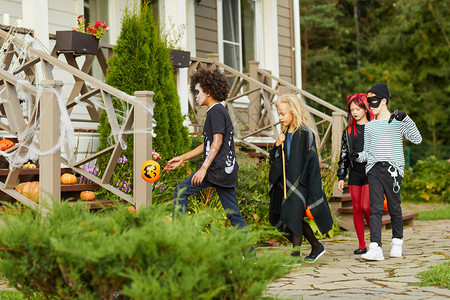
column 301, row 116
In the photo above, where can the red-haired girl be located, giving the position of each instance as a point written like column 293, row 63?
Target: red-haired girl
column 353, row 142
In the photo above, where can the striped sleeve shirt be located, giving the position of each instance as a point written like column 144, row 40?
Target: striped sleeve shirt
column 384, row 142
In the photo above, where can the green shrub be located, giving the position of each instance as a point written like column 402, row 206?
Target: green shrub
column 427, row 181
column 74, row 253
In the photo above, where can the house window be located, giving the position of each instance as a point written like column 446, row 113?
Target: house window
column 238, row 20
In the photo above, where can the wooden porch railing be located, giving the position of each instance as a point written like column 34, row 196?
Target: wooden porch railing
column 262, row 89
column 20, row 61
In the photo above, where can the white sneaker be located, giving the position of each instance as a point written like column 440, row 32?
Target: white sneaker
column 396, row 250
column 375, row 252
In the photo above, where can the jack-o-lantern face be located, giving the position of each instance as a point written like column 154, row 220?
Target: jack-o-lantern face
column 151, row 171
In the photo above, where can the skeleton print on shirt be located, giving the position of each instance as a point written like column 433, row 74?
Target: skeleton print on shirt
column 223, row 170
column 231, row 159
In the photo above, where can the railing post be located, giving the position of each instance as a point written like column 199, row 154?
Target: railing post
column 337, row 128
column 50, row 162
column 214, row 57
column 143, row 121
column 254, row 107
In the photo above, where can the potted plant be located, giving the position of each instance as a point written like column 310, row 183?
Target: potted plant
column 82, row 40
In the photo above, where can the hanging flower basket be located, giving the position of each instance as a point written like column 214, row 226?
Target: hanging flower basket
column 180, row 58
column 76, row 42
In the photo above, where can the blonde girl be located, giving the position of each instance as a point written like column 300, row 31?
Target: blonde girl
column 303, row 180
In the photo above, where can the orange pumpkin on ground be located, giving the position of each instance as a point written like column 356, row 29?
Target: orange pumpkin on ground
column 87, row 195
column 132, row 209
column 29, row 189
column 308, row 213
column 67, row 178
column 5, row 144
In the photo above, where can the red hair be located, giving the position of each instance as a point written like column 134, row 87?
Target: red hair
column 361, row 101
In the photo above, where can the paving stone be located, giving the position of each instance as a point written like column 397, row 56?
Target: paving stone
column 436, row 290
column 343, row 275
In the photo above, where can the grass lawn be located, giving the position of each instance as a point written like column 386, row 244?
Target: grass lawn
column 436, row 276
column 435, row 214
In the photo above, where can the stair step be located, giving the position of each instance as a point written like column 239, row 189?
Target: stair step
column 349, row 210
column 344, row 198
column 97, row 204
column 79, row 187
column 93, row 204
column 407, row 216
column 35, row 171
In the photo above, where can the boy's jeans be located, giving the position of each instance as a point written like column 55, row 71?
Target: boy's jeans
column 227, row 197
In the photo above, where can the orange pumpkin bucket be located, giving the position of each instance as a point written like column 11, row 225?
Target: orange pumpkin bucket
column 151, row 171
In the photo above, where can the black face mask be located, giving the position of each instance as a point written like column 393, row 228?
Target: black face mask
column 374, row 101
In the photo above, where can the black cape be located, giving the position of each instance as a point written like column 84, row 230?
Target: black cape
column 303, row 186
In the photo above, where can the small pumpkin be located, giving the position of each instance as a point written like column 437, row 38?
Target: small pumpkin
column 132, row 209
column 29, row 189
column 67, row 178
column 29, row 165
column 87, row 195
column 6, row 144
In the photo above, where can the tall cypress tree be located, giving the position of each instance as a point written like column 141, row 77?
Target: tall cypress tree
column 142, row 63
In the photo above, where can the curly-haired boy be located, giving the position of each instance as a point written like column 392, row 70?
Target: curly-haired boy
column 219, row 168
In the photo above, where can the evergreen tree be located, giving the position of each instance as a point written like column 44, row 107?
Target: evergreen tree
column 410, row 51
column 142, row 62
column 348, row 46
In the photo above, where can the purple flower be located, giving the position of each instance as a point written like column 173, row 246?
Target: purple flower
column 163, row 189
column 119, row 161
column 125, row 159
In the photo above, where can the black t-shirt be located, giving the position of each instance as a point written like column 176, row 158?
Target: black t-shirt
column 223, row 170
column 357, row 145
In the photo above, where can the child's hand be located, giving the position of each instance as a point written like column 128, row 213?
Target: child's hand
column 341, row 185
column 398, row 115
column 280, row 139
column 173, row 163
column 353, row 156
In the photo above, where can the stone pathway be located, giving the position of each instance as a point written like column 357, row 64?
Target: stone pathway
column 340, row 274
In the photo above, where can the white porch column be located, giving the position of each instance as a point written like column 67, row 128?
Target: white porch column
column 270, row 33
column 297, row 45
column 174, row 13
column 35, row 16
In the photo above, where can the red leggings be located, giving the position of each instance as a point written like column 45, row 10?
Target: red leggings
column 361, row 210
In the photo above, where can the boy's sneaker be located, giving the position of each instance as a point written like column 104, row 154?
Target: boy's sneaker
column 396, row 250
column 375, row 252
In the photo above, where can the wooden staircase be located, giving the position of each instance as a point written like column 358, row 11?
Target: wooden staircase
column 341, row 206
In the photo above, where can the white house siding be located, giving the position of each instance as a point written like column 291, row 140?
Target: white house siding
column 206, row 28
column 285, row 37
column 11, row 7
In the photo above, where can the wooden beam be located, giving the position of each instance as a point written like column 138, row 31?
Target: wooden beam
column 123, row 134
column 94, row 156
column 65, row 67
